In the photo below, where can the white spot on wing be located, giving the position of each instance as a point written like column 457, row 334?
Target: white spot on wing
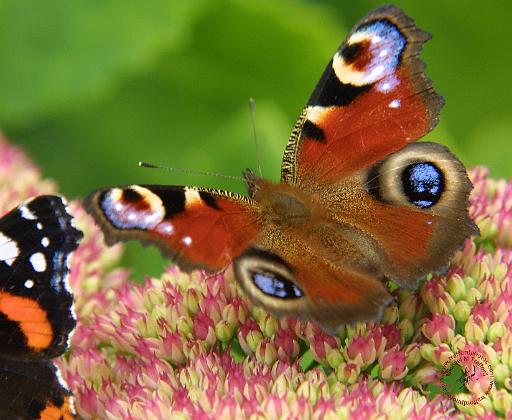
column 165, row 228
column 395, row 103
column 29, row 284
column 26, row 213
column 377, row 72
column 187, row 240
column 150, row 219
column 387, row 84
column 316, row 114
column 45, row 242
column 39, row 225
column 8, row 249
column 192, row 197
column 38, row 262
column 71, row 403
column 359, row 36
column 68, row 289
column 61, row 380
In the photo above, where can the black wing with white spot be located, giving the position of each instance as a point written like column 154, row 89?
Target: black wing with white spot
column 36, row 240
column 36, row 307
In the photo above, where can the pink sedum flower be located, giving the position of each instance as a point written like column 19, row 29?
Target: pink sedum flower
column 320, row 344
column 287, row 344
column 439, row 329
column 393, row 365
column 361, row 351
column 348, row 373
column 192, row 346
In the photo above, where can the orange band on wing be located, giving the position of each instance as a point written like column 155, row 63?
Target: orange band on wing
column 52, row 412
column 31, row 318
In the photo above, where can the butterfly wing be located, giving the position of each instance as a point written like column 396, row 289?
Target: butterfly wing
column 371, row 202
column 289, row 274
column 36, row 240
column 32, row 390
column 36, row 316
column 414, row 204
column 354, row 147
column 197, row 228
column 372, row 100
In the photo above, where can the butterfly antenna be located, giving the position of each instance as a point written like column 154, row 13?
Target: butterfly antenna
column 189, row 171
column 256, row 144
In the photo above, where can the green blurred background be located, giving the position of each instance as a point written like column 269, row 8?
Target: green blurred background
column 90, row 87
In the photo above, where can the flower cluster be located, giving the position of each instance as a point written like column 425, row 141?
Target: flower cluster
column 192, row 346
column 19, row 177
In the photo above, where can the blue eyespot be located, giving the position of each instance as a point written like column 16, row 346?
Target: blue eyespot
column 384, row 36
column 372, row 54
column 276, row 286
column 423, row 184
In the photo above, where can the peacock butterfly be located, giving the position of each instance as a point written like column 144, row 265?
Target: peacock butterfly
column 358, row 200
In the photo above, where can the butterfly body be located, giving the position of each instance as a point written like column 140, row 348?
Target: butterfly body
column 283, row 205
column 358, row 201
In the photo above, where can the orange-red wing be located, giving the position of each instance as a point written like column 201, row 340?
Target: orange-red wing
column 197, row 228
column 300, row 282
column 372, row 100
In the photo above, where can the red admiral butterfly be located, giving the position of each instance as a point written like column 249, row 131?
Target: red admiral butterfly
column 358, row 201
column 36, row 308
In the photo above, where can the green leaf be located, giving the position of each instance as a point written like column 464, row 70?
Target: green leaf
column 236, row 351
column 374, row 373
column 306, row 361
